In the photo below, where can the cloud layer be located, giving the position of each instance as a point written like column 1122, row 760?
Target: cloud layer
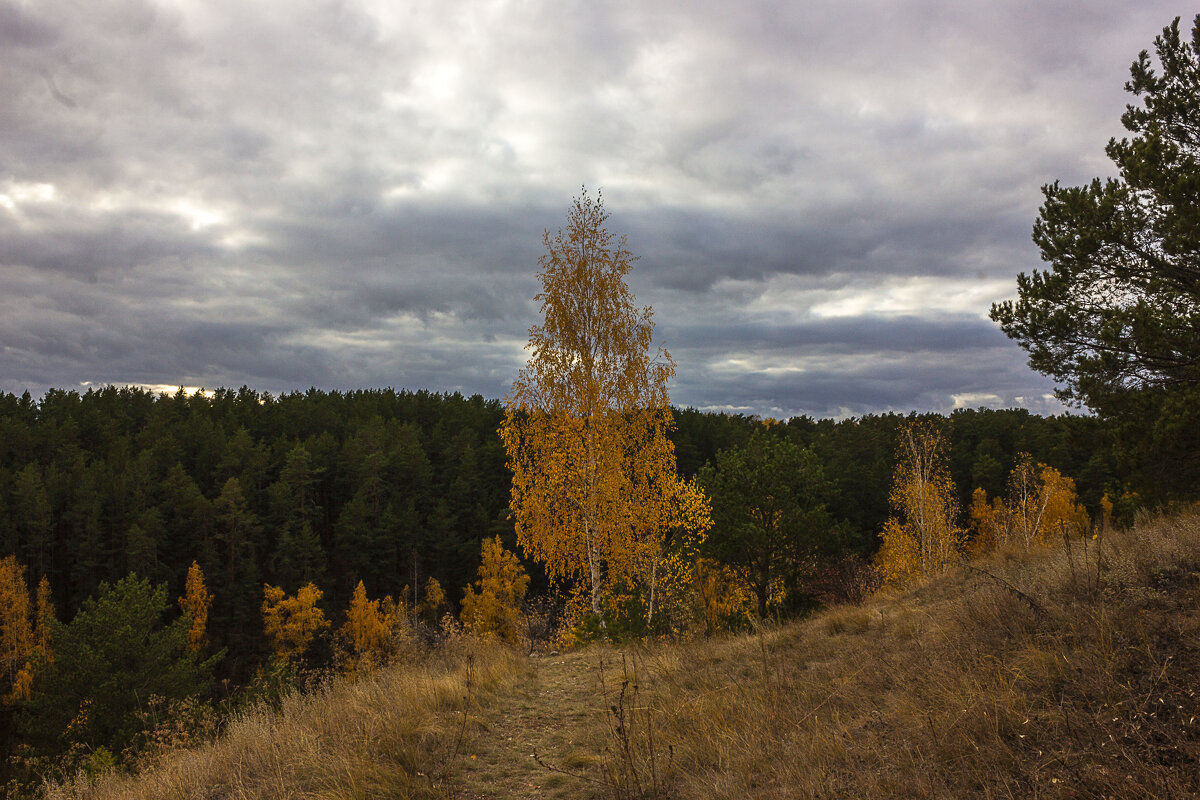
column 826, row 199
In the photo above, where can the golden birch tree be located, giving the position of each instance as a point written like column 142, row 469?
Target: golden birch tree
column 1106, row 512
column 1064, row 514
column 922, row 538
column 990, row 521
column 586, row 424
column 45, row 616
column 43, row 623
column 1042, row 504
column 676, row 563
column 435, row 599
column 1026, row 502
column 367, row 630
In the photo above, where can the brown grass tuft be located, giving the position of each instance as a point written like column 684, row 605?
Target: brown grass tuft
column 395, row 733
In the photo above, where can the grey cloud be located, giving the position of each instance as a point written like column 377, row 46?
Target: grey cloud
column 869, row 383
column 692, row 250
column 288, row 194
column 18, row 28
column 85, row 245
column 842, row 336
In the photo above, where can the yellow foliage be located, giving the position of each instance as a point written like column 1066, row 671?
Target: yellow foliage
column 435, row 598
column 922, row 539
column 673, row 572
column 367, row 629
column 291, row 623
column 22, row 688
column 22, row 684
column 1063, row 514
column 577, row 608
column 692, row 512
column 723, row 595
column 678, row 595
column 897, row 557
column 684, row 589
column 586, row 424
column 16, row 631
column 1042, row 505
column 990, row 522
column 196, row 602
column 1026, row 502
column 1106, row 508
column 492, row 607
column 394, row 613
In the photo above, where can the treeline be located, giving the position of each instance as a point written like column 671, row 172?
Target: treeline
column 342, row 497
column 388, row 487
column 858, row 455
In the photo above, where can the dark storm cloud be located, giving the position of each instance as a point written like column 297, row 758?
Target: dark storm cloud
column 826, row 196
column 844, row 336
column 691, row 250
column 889, row 365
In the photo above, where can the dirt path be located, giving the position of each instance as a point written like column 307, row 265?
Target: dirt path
column 557, row 713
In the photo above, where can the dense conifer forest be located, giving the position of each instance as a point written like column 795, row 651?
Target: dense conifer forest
column 388, row 487
column 112, row 499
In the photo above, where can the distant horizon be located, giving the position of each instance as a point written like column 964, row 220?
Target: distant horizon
column 169, row 391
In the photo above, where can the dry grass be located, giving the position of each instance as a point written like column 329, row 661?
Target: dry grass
column 397, row 733
column 1071, row 673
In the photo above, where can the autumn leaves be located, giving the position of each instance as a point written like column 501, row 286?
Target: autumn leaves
column 595, row 491
column 24, row 629
column 595, row 494
column 923, row 537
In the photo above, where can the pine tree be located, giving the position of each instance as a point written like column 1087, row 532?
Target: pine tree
column 107, row 661
column 298, row 555
column 768, row 510
column 32, row 514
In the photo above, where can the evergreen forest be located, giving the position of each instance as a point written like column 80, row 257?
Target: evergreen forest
column 394, row 488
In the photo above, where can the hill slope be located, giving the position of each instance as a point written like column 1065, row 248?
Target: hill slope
column 1071, row 673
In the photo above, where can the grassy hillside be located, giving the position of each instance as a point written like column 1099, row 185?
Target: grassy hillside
column 1069, row 673
column 398, row 733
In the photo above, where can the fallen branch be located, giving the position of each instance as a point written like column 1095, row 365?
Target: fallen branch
column 1033, row 604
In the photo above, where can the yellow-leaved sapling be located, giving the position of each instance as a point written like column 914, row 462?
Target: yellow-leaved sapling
column 291, row 623
column 491, row 607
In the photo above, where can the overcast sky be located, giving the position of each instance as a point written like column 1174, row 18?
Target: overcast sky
column 826, row 196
